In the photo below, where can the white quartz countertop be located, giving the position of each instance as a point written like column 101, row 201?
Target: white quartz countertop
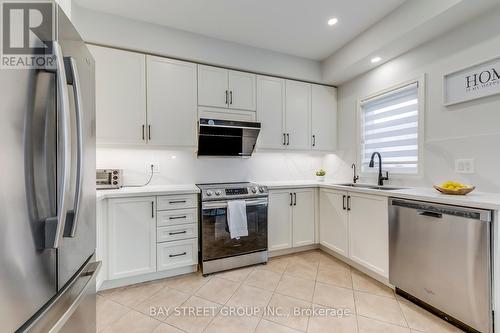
column 147, row 190
column 474, row 199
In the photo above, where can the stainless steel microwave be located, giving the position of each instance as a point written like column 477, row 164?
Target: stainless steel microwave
column 108, row 178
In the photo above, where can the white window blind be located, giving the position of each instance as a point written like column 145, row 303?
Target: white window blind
column 390, row 126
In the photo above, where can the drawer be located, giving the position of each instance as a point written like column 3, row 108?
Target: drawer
column 177, row 201
column 174, row 217
column 177, row 232
column 170, row 255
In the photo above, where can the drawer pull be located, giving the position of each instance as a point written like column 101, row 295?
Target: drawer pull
column 177, row 217
column 177, row 255
column 177, row 201
column 177, row 233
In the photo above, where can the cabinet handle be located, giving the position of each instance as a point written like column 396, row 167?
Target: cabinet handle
column 231, row 97
column 343, row 202
column 348, row 202
column 226, row 96
column 177, row 255
column 287, row 139
column 314, row 141
column 295, row 199
column 291, row 199
column 177, row 201
column 177, row 233
column 284, row 139
column 149, row 132
column 177, row 217
column 143, row 137
column 152, row 209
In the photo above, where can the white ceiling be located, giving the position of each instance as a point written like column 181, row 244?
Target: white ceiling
column 296, row 27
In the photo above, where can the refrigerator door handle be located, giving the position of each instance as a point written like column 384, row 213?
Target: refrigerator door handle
column 74, row 80
column 54, row 225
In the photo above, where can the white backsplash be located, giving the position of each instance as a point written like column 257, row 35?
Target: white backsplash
column 184, row 167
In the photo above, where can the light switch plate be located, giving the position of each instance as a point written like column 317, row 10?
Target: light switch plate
column 464, row 165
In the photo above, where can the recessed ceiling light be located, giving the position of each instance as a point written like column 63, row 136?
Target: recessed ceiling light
column 333, row 21
column 376, row 59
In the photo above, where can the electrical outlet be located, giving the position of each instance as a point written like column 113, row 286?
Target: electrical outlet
column 464, row 165
column 156, row 166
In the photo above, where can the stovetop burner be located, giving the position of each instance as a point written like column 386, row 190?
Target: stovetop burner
column 228, row 191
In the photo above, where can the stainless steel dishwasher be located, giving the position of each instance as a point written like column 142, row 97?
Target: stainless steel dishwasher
column 440, row 258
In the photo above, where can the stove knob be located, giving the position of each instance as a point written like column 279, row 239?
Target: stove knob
column 261, row 189
column 218, row 192
column 254, row 189
column 209, row 193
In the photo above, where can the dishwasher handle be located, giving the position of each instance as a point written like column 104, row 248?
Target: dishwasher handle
column 430, row 214
column 436, row 209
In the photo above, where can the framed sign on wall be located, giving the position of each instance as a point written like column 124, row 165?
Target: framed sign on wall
column 471, row 83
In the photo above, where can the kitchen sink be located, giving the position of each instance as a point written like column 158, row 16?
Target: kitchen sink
column 372, row 187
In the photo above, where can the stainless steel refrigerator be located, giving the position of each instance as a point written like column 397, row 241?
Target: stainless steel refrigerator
column 47, row 191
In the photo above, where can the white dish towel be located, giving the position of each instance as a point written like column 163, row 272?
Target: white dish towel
column 237, row 218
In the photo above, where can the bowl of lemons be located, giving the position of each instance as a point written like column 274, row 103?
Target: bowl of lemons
column 454, row 188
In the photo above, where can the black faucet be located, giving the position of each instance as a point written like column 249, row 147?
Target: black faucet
column 354, row 176
column 372, row 164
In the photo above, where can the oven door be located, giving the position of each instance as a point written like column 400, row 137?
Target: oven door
column 216, row 242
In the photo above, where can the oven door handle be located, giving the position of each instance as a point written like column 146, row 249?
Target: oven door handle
column 223, row 204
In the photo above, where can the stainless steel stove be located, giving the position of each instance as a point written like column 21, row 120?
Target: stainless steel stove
column 218, row 251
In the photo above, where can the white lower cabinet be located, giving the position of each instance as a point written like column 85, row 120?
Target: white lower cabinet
column 132, row 237
column 356, row 226
column 291, row 218
column 369, row 232
column 146, row 238
column 333, row 222
column 177, row 254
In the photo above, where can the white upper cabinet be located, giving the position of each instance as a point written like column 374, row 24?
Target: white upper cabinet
column 222, row 88
column 324, row 118
column 242, row 91
column 271, row 112
column 171, row 102
column 213, row 86
column 120, row 95
column 298, row 115
column 303, row 217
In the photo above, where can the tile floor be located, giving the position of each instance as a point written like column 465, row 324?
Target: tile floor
column 301, row 281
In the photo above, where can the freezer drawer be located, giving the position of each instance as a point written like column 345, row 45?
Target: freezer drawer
column 442, row 256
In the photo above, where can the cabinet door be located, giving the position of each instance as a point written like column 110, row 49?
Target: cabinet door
column 323, row 118
column 120, row 95
column 271, row 112
column 369, row 232
column 279, row 223
column 242, row 91
column 213, row 86
column 333, row 222
column 132, row 237
column 303, row 217
column 298, row 114
column 172, row 106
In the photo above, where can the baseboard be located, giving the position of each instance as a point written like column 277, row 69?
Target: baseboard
column 277, row 253
column 110, row 284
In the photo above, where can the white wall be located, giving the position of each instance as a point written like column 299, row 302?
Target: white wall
column 183, row 167
column 101, row 28
column 467, row 130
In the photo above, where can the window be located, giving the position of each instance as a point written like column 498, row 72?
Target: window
column 390, row 125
